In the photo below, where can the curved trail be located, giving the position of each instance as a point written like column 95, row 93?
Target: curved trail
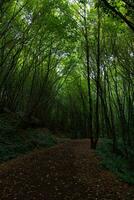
column 69, row 171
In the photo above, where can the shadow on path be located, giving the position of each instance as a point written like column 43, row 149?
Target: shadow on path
column 69, row 171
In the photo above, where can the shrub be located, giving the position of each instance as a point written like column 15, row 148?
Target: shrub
column 117, row 163
column 13, row 144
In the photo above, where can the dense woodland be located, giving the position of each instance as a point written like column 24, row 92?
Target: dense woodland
column 68, row 65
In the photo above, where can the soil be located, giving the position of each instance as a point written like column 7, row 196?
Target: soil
column 69, row 171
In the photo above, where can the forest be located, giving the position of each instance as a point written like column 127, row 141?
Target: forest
column 67, row 68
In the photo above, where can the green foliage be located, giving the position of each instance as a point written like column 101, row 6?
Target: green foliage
column 40, row 138
column 14, row 143
column 64, row 65
column 117, row 163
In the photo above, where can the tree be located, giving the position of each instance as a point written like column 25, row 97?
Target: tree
column 119, row 14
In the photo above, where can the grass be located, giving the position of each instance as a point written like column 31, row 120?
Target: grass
column 117, row 163
column 15, row 142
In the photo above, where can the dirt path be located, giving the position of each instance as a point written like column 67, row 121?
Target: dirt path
column 68, row 171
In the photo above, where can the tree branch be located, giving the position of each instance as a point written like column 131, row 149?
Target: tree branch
column 119, row 14
column 131, row 5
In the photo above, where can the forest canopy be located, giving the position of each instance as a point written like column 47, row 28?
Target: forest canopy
column 68, row 64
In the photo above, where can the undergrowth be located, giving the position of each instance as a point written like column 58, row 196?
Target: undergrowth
column 14, row 142
column 117, row 163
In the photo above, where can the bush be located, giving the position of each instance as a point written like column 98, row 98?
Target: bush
column 13, row 144
column 117, row 163
column 40, row 138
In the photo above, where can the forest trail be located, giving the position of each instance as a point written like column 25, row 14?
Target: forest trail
column 69, row 171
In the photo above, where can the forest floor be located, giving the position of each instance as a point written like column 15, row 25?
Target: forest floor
column 69, row 171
